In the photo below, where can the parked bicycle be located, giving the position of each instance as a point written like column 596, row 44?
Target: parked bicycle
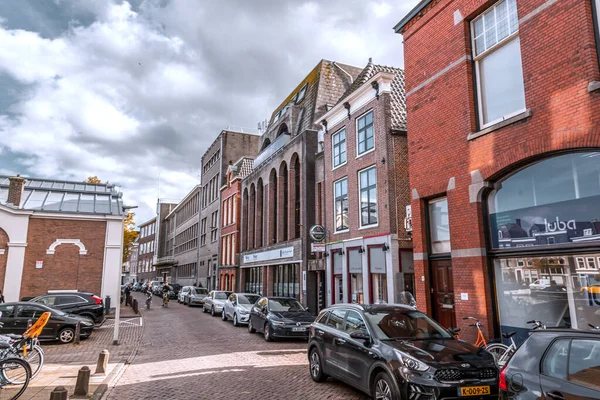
column 15, row 375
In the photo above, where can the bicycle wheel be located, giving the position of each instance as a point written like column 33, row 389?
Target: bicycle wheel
column 14, row 378
column 35, row 359
column 499, row 351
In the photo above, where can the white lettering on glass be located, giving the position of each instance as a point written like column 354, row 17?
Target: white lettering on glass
column 559, row 225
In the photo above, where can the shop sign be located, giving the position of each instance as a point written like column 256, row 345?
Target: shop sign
column 317, row 233
column 304, row 283
column 285, row 252
column 317, row 247
column 572, row 221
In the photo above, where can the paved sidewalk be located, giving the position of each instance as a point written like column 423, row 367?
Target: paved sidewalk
column 63, row 361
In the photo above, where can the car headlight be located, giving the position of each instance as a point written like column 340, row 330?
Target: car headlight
column 411, row 363
column 278, row 323
column 244, row 312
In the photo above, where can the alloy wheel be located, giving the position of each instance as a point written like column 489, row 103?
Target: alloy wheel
column 382, row 390
column 267, row 332
column 223, row 316
column 66, row 335
column 314, row 365
column 212, row 311
column 235, row 321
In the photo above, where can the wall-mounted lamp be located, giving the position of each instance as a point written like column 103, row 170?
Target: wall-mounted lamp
column 383, row 160
column 326, row 254
column 385, row 247
column 361, row 250
column 324, row 123
column 376, row 87
column 342, row 252
column 347, row 107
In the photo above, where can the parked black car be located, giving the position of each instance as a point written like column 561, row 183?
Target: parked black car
column 396, row 352
column 279, row 317
column 554, row 364
column 85, row 304
column 61, row 325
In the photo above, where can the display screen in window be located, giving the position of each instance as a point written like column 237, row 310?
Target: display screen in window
column 553, row 202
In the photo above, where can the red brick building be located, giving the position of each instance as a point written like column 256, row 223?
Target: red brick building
column 369, row 253
column 504, row 151
column 57, row 235
column 231, row 202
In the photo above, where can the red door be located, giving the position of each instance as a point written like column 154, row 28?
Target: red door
column 443, row 293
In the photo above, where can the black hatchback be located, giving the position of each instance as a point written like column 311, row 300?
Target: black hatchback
column 81, row 303
column 396, row 352
column 554, row 364
column 279, row 317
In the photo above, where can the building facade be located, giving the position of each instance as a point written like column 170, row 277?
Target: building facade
column 278, row 198
column 504, row 151
column 230, row 223
column 229, row 146
column 147, row 242
column 369, row 253
column 57, row 235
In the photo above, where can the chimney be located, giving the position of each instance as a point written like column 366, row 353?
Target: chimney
column 15, row 190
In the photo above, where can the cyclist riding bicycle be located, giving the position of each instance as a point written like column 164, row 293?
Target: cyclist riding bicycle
column 165, row 292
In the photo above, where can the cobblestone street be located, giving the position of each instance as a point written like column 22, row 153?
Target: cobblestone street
column 187, row 354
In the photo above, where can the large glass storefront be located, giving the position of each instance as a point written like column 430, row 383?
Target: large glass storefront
column 286, row 281
column 546, row 217
column 253, row 280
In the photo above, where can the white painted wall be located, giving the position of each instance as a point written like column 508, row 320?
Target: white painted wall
column 15, row 224
column 111, row 273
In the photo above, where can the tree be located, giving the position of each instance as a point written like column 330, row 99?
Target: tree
column 129, row 233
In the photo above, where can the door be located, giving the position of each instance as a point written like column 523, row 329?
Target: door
column 331, row 337
column 259, row 314
column 25, row 314
column 443, row 293
column 229, row 305
column 354, row 357
column 338, row 290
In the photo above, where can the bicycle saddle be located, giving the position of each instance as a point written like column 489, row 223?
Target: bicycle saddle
column 508, row 335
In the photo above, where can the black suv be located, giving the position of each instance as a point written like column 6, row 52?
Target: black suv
column 396, row 352
column 85, row 304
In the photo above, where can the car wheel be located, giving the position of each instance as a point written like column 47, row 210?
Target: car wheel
column 235, row 321
column 267, row 332
column 223, row 316
column 383, row 388
column 203, row 309
column 316, row 367
column 212, row 311
column 250, row 327
column 66, row 335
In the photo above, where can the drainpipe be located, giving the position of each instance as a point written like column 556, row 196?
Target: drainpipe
column 344, row 71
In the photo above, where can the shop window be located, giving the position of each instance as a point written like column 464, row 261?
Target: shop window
column 553, row 202
column 339, row 148
column 253, row 277
column 439, row 226
column 338, row 284
column 377, row 268
column 498, row 66
column 368, row 197
column 286, row 281
column 365, row 138
column 355, row 276
column 341, row 205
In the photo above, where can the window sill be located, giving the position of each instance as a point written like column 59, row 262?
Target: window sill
column 593, row 86
column 519, row 117
column 340, row 232
column 368, row 226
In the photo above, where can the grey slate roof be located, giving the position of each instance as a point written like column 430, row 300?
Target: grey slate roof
column 66, row 196
column 242, row 167
column 398, row 94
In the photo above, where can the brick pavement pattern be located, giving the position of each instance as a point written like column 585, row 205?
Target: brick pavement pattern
column 187, row 354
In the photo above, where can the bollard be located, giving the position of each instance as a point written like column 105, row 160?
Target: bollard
column 59, row 393
column 82, row 386
column 77, row 333
column 135, row 306
column 102, row 362
column 107, row 304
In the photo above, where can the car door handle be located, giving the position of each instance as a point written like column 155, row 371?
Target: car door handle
column 556, row 395
column 340, row 341
column 320, row 332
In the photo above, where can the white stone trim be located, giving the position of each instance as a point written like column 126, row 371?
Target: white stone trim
column 76, row 242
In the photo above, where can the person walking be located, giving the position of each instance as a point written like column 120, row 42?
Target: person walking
column 127, row 294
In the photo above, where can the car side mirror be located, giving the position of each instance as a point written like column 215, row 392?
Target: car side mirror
column 360, row 335
column 454, row 331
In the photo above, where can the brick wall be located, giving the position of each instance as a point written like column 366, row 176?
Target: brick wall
column 559, row 60
column 66, row 268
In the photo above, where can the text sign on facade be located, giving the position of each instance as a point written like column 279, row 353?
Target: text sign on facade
column 286, row 252
column 317, row 247
column 39, row 264
column 317, row 233
column 304, row 283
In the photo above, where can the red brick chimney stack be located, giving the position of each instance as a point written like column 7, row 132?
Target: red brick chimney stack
column 15, row 190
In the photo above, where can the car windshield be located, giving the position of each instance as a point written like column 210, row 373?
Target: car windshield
column 247, row 298
column 199, row 291
column 222, row 295
column 282, row 305
column 176, row 286
column 405, row 325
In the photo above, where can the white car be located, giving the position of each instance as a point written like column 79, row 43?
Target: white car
column 238, row 306
column 540, row 284
column 181, row 296
column 214, row 302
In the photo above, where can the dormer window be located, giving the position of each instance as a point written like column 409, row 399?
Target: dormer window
column 301, row 94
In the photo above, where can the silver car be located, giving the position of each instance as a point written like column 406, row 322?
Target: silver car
column 195, row 297
column 213, row 303
column 181, row 296
column 238, row 306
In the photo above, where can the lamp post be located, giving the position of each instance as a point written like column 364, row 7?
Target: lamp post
column 118, row 306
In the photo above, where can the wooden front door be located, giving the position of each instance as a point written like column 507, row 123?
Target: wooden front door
column 443, row 293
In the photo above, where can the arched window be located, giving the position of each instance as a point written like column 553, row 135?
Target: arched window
column 296, row 196
column 259, row 213
column 283, row 130
column 265, row 144
column 252, row 217
column 552, row 202
column 273, row 207
column 245, row 219
column 283, row 177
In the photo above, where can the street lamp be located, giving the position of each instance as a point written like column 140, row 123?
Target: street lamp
column 118, row 306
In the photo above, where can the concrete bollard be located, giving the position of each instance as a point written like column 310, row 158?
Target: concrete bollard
column 102, row 364
column 59, row 393
column 77, row 338
column 82, row 386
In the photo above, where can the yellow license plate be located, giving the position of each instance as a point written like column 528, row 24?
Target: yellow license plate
column 474, row 391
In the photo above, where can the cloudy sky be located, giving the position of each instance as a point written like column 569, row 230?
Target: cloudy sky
column 130, row 90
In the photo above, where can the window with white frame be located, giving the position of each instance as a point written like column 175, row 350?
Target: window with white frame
column 339, row 148
column 364, row 132
column 498, row 66
column 341, row 205
column 368, row 197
